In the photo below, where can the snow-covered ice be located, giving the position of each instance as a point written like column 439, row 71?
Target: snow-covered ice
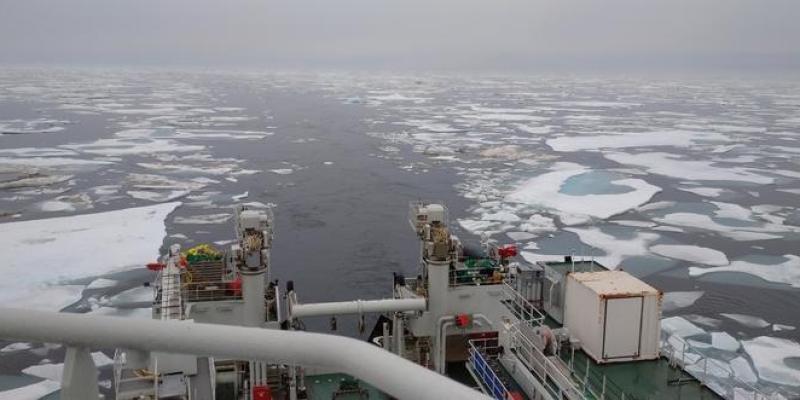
column 681, row 327
column 676, row 138
column 545, row 191
column 703, row 191
column 537, row 224
column 203, row 219
column 702, row 221
column 14, row 347
column 674, row 166
column 139, row 294
column 724, row 341
column 696, row 254
column 157, row 195
column 46, row 252
column 54, row 372
column 520, row 236
column 41, row 296
column 787, row 272
column 769, row 355
column 616, row 249
column 747, row 320
column 101, row 283
column 676, row 300
column 742, row 370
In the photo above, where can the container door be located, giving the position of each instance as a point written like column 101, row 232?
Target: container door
column 623, row 327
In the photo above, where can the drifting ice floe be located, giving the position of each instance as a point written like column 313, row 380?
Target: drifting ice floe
column 101, row 283
column 157, row 196
column 75, row 202
column 33, row 179
column 674, row 166
column 62, row 163
column 13, row 347
column 724, row 341
column 702, row 255
column 203, row 219
column 545, row 191
column 679, row 326
column 48, row 251
column 21, row 127
column 786, row 272
column 676, row 300
column 122, row 147
column 43, row 296
column 743, row 371
column 703, row 191
column 769, row 357
column 625, row 140
column 54, row 372
column 702, row 221
column 747, row 320
column 616, row 249
column 139, row 294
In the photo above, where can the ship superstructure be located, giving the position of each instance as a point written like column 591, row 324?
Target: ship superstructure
column 508, row 329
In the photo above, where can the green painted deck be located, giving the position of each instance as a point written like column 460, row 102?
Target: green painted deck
column 642, row 380
column 326, row 386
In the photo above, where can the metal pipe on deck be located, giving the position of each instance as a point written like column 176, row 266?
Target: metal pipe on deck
column 389, row 373
column 255, row 307
column 357, row 307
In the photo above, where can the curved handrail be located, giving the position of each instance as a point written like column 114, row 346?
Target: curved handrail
column 391, row 374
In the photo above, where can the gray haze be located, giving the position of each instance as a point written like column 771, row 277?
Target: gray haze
column 406, row 34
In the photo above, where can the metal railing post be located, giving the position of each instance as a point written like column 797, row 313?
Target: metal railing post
column 79, row 380
column 603, row 392
column 586, row 376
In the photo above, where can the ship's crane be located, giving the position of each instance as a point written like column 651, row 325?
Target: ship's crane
column 250, row 257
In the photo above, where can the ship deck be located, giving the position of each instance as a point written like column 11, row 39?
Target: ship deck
column 645, row 380
column 642, row 380
column 327, row 386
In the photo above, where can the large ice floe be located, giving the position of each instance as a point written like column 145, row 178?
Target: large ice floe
column 675, row 166
column 677, row 138
column 41, row 254
column 770, row 357
column 697, row 254
column 616, row 249
column 787, row 272
column 732, row 367
column 743, row 227
column 676, row 300
column 547, row 191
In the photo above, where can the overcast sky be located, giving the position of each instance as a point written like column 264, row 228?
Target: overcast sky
column 405, row 34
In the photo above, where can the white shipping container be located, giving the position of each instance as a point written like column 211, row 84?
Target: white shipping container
column 615, row 316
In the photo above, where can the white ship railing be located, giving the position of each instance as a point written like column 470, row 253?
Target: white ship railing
column 478, row 364
column 559, row 384
column 388, row 372
column 521, row 307
column 710, row 372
